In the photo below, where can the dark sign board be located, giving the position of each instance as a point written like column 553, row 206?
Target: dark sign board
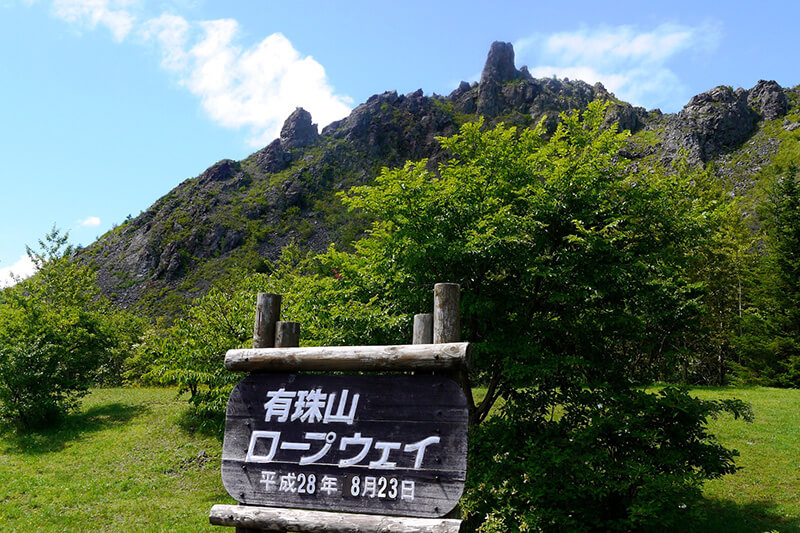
column 385, row 444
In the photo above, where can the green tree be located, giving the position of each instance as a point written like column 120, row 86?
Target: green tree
column 56, row 332
column 572, row 262
column 574, row 266
column 775, row 338
column 191, row 352
column 728, row 269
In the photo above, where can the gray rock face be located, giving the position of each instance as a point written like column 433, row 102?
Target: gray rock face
column 205, row 219
column 529, row 100
column 498, row 70
column 557, row 96
column 712, row 123
column 626, row 116
column 298, row 131
column 499, row 67
column 220, row 171
column 220, row 240
column 169, row 262
column 623, row 114
column 394, row 127
column 273, row 158
column 791, row 126
column 520, row 99
column 464, row 98
column 462, row 89
column 768, row 100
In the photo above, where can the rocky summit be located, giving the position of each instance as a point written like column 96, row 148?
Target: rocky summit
column 241, row 214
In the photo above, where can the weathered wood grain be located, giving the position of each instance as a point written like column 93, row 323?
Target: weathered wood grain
column 287, row 334
column 285, row 520
column 268, row 312
column 446, row 313
column 423, row 329
column 351, row 358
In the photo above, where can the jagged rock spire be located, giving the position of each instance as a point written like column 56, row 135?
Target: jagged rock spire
column 499, row 67
column 298, row 131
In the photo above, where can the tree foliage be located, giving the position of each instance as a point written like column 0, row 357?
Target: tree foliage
column 784, row 289
column 614, row 461
column 57, row 336
column 769, row 341
column 572, row 262
column 575, row 272
column 190, row 354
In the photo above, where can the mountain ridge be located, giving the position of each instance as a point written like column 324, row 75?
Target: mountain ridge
column 240, row 214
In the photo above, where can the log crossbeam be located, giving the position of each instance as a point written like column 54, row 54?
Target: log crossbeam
column 448, row 356
column 246, row 517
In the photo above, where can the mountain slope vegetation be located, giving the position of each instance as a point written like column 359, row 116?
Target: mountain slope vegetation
column 238, row 215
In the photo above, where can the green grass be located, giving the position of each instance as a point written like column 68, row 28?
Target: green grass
column 122, row 463
column 765, row 494
column 125, row 462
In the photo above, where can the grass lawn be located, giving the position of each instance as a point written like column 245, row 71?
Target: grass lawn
column 765, row 494
column 123, row 463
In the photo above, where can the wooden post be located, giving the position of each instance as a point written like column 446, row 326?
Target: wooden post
column 287, row 334
column 268, row 311
column 446, row 312
column 447, row 328
column 423, row 329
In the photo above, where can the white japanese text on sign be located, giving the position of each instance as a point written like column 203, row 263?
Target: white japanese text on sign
column 315, row 406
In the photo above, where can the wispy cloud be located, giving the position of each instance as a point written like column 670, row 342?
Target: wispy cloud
column 22, row 269
column 252, row 87
column 89, row 222
column 89, row 14
column 171, row 33
column 632, row 63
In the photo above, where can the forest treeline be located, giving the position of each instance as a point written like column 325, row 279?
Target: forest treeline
column 585, row 278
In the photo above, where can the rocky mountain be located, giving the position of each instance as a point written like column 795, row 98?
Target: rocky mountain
column 240, row 214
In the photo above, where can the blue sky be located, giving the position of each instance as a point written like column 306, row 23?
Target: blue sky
column 106, row 105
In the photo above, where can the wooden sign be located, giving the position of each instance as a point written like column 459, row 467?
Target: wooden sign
column 386, row 444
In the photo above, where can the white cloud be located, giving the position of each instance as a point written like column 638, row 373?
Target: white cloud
column 255, row 87
column 633, row 64
column 89, row 222
column 22, row 269
column 171, row 32
column 113, row 14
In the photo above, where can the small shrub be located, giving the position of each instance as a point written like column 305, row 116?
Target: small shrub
column 57, row 336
